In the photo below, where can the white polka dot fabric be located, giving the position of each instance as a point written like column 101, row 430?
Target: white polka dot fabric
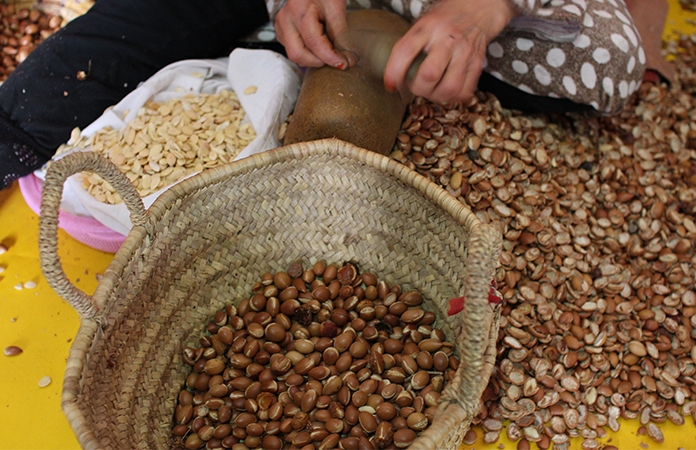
column 602, row 66
column 587, row 51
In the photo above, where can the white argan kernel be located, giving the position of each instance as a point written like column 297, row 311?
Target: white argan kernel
column 142, row 148
column 18, row 286
column 45, row 381
column 30, row 284
column 250, row 90
column 75, row 136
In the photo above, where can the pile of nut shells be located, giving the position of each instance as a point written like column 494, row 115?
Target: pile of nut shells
column 321, row 358
column 598, row 269
column 21, row 30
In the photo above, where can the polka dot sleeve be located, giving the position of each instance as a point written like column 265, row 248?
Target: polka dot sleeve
column 600, row 65
column 529, row 7
column 273, row 7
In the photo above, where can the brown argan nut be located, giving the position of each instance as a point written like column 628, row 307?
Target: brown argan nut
column 404, row 437
column 417, row 421
column 13, row 350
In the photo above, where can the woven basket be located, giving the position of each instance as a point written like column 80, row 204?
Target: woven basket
column 205, row 242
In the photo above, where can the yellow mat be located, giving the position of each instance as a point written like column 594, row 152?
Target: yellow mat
column 43, row 325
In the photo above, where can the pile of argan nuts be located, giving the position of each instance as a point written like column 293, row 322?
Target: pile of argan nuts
column 20, row 32
column 598, row 268
column 316, row 359
column 689, row 5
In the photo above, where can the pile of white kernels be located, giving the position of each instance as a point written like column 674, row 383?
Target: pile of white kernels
column 167, row 142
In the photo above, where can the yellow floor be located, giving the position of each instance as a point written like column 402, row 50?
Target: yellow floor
column 43, row 325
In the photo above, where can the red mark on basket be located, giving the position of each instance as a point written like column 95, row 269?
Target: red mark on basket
column 457, row 304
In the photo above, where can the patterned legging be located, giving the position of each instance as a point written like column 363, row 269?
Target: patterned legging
column 586, row 51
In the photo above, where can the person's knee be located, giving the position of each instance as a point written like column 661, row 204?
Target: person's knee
column 615, row 59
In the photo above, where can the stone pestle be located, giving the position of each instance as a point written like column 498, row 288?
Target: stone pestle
column 352, row 104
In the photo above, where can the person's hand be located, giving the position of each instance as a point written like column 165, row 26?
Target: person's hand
column 307, row 29
column 454, row 35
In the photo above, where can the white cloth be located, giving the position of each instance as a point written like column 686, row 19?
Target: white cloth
column 278, row 83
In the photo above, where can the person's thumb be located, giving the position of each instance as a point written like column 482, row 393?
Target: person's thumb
column 337, row 31
column 345, row 46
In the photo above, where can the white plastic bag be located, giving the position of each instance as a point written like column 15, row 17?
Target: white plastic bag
column 278, row 84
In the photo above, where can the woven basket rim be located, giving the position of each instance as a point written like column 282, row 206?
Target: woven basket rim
column 431, row 191
column 459, row 409
column 456, row 209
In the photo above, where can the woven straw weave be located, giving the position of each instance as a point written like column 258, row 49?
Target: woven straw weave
column 206, row 241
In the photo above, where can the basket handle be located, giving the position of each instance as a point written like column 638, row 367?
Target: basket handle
column 460, row 400
column 57, row 174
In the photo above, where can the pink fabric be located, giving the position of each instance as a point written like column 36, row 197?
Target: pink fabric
column 87, row 230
